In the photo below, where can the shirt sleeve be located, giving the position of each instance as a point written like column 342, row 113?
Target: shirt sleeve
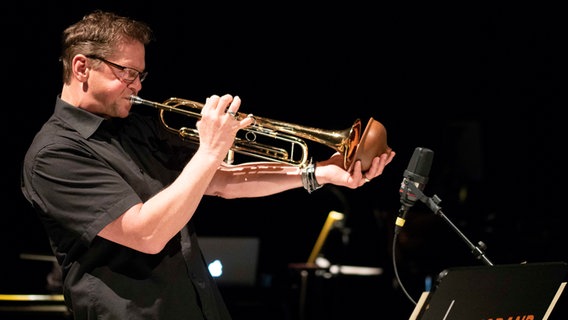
column 79, row 191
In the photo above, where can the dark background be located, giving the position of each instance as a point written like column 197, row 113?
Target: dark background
column 482, row 85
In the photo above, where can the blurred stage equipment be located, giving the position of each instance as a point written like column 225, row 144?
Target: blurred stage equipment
column 317, row 270
column 44, row 304
column 332, row 218
column 349, row 142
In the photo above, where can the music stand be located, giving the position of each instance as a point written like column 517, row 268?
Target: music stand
column 519, row 291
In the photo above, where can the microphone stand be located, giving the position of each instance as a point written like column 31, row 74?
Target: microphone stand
column 433, row 204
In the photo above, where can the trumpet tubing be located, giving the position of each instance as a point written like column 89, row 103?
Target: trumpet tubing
column 344, row 141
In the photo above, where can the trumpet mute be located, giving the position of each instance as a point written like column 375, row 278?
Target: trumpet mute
column 373, row 143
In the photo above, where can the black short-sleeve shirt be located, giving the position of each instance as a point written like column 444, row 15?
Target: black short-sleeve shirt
column 80, row 173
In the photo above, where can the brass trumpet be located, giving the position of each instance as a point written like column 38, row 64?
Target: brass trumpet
column 344, row 141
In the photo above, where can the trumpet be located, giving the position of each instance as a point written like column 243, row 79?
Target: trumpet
column 345, row 141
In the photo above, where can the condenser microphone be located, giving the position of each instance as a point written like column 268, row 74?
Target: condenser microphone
column 417, row 175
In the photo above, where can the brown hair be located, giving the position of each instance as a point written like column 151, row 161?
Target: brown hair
column 99, row 33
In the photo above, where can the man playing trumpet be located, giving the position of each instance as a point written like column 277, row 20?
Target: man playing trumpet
column 116, row 192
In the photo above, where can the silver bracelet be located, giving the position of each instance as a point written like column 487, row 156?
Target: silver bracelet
column 309, row 177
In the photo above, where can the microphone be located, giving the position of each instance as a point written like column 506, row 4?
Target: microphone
column 416, row 175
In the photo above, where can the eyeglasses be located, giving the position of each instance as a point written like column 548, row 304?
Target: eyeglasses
column 125, row 74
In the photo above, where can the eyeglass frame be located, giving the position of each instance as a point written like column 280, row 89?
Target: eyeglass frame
column 139, row 74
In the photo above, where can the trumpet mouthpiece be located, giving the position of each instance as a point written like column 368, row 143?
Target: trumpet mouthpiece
column 136, row 100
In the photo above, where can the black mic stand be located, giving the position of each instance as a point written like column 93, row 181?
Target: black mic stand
column 433, row 204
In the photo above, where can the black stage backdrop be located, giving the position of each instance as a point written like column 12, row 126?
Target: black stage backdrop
column 479, row 84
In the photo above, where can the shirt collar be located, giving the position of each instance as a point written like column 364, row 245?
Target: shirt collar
column 84, row 122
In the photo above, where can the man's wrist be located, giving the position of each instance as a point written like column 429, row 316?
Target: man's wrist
column 309, row 180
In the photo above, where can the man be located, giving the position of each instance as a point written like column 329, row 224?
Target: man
column 116, row 191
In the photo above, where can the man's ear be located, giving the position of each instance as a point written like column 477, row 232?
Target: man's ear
column 80, row 68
